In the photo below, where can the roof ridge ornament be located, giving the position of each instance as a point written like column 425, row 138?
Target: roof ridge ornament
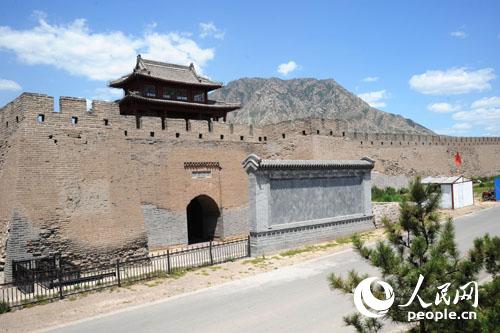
column 139, row 66
column 251, row 163
column 368, row 159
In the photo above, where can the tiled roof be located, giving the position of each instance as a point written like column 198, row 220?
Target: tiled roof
column 166, row 72
column 444, row 180
column 258, row 163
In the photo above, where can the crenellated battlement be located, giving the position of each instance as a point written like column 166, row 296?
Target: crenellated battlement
column 340, row 129
column 38, row 110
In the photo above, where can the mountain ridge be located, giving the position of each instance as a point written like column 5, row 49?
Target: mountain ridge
column 272, row 100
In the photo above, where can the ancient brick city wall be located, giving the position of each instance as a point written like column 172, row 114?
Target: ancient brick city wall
column 96, row 185
column 395, row 154
column 113, row 185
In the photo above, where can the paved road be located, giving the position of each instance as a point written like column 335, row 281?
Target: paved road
column 292, row 299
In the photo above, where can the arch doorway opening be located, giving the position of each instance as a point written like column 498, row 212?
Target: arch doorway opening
column 202, row 217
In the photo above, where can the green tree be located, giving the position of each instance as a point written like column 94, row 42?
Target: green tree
column 418, row 244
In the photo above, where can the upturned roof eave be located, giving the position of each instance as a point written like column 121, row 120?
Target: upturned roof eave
column 119, row 83
column 226, row 107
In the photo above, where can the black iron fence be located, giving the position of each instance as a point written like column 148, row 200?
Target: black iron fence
column 46, row 279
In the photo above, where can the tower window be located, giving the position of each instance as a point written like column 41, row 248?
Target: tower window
column 106, row 122
column 181, row 95
column 199, row 96
column 152, row 134
column 40, row 118
column 149, row 91
column 74, row 120
column 168, row 93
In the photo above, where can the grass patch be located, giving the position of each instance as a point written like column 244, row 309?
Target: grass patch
column 388, row 194
column 177, row 273
column 314, row 248
column 256, row 261
column 293, row 252
column 4, row 307
column 41, row 299
column 483, row 184
column 215, row 268
column 153, row 283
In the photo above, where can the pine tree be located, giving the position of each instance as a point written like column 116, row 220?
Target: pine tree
column 418, row 244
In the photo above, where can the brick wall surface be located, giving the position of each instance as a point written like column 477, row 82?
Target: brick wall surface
column 389, row 210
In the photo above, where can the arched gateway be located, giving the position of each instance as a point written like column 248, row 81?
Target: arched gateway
column 202, row 216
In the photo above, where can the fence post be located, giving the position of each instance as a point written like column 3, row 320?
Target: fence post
column 168, row 261
column 118, row 277
column 248, row 246
column 211, row 256
column 59, row 276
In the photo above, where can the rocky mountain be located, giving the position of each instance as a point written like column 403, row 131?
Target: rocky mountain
column 268, row 101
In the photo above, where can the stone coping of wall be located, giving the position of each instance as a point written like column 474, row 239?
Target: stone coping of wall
column 314, row 224
column 255, row 162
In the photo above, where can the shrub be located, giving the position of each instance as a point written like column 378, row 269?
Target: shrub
column 4, row 307
column 388, row 194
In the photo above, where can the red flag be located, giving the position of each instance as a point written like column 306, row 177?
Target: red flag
column 458, row 160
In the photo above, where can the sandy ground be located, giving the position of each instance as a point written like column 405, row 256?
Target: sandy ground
column 91, row 304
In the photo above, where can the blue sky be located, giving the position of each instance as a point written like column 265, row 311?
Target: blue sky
column 434, row 62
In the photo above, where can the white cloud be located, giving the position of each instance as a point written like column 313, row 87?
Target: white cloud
column 481, row 116
column 209, row 29
column 486, row 102
column 370, row 79
column 452, row 81
column 376, row 99
column 484, row 113
column 461, row 127
column 107, row 94
column 77, row 50
column 456, row 129
column 104, row 94
column 459, row 34
column 288, row 67
column 443, row 107
column 9, row 85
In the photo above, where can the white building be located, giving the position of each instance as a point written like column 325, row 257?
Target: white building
column 456, row 192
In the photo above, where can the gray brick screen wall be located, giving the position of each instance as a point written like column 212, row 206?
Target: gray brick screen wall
column 293, row 203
